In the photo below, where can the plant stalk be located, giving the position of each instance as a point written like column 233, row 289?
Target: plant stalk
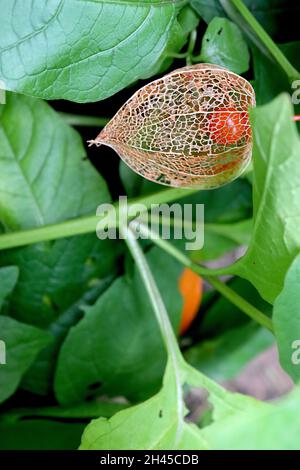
column 82, row 225
column 80, row 120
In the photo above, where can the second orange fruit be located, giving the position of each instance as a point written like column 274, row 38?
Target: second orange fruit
column 190, row 287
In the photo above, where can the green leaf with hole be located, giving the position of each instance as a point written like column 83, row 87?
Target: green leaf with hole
column 286, row 320
column 223, row 44
column 163, row 417
column 20, row 344
column 83, row 51
column 163, row 425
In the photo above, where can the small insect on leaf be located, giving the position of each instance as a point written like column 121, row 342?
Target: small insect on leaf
column 188, row 129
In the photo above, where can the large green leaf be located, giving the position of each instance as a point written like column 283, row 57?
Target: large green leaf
column 8, row 279
column 117, row 344
column 286, row 320
column 22, row 343
column 163, row 425
column 223, row 44
column 82, row 51
column 186, row 21
column 39, row 377
column 163, row 417
column 45, row 179
column 275, row 237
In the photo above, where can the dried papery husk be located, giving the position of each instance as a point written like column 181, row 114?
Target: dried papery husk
column 167, row 130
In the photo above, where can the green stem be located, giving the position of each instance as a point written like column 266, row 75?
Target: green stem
column 191, row 46
column 153, row 292
column 208, row 274
column 175, row 358
column 291, row 72
column 196, row 58
column 179, row 55
column 84, row 225
column 80, row 120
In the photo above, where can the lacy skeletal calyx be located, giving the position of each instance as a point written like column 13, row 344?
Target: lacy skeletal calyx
column 189, row 128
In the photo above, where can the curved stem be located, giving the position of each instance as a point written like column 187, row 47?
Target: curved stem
column 268, row 42
column 80, row 120
column 83, row 225
column 196, row 58
column 208, row 274
column 175, row 358
column 179, row 55
column 191, row 46
column 153, row 292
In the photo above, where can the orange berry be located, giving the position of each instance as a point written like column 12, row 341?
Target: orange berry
column 227, row 125
column 190, row 287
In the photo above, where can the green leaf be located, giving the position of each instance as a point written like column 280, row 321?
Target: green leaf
column 39, row 377
column 85, row 51
column 163, row 416
column 8, row 279
column 164, row 426
column 265, row 428
column 44, row 179
column 275, row 237
column 43, row 160
column 40, row 435
column 22, row 343
column 223, row 44
column 208, row 9
column 186, row 21
column 120, row 346
column 286, row 320
column 222, row 358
